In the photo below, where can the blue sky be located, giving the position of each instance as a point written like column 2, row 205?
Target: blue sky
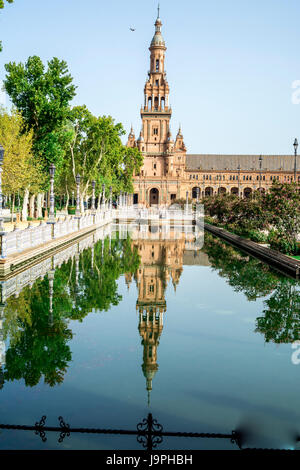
column 230, row 63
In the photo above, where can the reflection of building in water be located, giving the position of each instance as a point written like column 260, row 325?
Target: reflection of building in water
column 161, row 261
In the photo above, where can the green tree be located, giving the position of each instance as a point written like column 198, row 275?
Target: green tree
column 43, row 97
column 282, row 206
column 19, row 169
column 96, row 152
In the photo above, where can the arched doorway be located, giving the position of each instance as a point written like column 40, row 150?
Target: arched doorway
column 247, row 192
column 154, row 196
column 235, row 191
column 194, row 192
column 221, row 191
column 209, row 191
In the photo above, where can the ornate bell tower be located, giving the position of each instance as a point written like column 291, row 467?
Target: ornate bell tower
column 156, row 113
column 164, row 159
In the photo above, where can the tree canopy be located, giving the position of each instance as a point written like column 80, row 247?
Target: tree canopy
column 96, row 152
column 43, row 97
column 20, row 171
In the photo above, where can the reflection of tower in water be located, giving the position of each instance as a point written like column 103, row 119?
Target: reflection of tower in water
column 160, row 262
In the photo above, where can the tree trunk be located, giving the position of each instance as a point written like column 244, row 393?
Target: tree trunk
column 81, row 204
column 31, row 206
column 13, row 207
column 87, row 198
column 67, row 200
column 39, row 203
column 25, row 203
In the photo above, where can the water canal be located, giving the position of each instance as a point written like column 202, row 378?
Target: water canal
column 113, row 329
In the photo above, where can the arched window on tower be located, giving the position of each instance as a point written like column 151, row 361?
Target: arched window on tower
column 156, row 103
column 149, row 102
column 163, row 103
column 157, row 65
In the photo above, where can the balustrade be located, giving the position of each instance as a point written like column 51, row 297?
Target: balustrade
column 20, row 240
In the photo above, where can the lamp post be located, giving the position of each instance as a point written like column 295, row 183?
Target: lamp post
column 93, row 195
column 260, row 166
column 1, row 163
column 295, row 164
column 77, row 212
column 239, row 177
column 198, row 191
column 51, row 214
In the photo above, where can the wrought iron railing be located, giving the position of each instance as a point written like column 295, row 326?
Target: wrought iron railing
column 149, row 433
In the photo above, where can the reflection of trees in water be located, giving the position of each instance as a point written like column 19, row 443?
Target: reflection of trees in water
column 281, row 320
column 244, row 273
column 38, row 340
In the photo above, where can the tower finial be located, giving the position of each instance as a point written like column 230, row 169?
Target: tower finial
column 158, row 11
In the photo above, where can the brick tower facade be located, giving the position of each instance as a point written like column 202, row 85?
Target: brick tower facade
column 164, row 159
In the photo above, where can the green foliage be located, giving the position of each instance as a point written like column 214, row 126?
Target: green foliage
column 2, row 3
column 40, row 346
column 244, row 273
column 96, row 153
column 277, row 211
column 43, row 97
column 39, row 339
column 281, row 242
column 71, row 210
column 281, row 320
column 19, row 169
column 257, row 236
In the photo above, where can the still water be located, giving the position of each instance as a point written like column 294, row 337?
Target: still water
column 107, row 331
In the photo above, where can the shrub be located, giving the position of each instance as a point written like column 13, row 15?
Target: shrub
column 257, row 236
column 281, row 242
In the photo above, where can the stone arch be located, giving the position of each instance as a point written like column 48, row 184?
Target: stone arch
column 222, row 190
column 235, row 191
column 153, row 196
column 209, row 191
column 194, row 192
column 247, row 192
column 262, row 190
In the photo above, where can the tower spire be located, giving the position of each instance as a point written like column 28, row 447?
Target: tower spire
column 158, row 11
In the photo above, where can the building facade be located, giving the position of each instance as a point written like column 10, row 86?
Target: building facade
column 169, row 173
